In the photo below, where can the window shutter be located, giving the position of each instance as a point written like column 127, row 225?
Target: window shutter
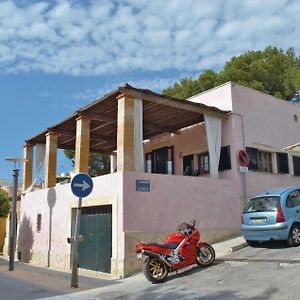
column 253, row 155
column 282, row 163
column 225, row 161
column 296, row 163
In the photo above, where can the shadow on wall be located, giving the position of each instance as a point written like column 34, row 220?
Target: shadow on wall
column 25, row 240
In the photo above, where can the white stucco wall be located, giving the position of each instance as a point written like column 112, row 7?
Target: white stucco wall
column 269, row 125
column 214, row 203
column 107, row 190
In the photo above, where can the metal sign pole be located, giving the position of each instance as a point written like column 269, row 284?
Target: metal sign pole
column 12, row 228
column 81, row 186
column 74, row 279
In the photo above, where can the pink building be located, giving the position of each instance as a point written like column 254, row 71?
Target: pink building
column 173, row 160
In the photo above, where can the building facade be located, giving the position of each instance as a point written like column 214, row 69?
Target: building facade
column 172, row 161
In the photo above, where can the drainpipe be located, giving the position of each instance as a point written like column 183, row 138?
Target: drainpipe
column 243, row 174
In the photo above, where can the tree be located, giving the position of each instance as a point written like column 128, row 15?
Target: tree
column 5, row 201
column 271, row 71
column 99, row 163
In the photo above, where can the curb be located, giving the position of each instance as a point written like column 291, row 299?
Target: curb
column 267, row 260
column 239, row 246
column 229, row 246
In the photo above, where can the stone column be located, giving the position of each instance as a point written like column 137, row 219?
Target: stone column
column 27, row 167
column 82, row 150
column 50, row 159
column 125, row 134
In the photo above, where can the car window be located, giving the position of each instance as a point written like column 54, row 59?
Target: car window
column 262, row 204
column 293, row 199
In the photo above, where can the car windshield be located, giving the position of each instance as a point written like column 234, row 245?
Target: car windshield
column 262, row 204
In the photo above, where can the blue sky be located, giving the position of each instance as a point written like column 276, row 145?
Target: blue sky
column 58, row 56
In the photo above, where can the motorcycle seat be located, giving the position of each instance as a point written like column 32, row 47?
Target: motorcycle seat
column 168, row 245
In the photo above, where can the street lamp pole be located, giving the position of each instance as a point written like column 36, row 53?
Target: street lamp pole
column 13, row 215
column 12, row 226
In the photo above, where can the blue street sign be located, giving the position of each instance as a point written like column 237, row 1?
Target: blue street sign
column 81, row 185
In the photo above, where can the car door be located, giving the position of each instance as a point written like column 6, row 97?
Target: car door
column 293, row 206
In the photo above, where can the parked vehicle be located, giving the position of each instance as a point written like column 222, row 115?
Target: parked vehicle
column 181, row 249
column 273, row 215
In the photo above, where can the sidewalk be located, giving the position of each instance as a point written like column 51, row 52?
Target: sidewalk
column 60, row 281
column 49, row 279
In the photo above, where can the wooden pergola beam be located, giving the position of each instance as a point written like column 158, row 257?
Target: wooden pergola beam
column 162, row 128
column 63, row 132
column 175, row 103
column 97, row 117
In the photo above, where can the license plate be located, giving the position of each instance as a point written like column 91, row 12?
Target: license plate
column 140, row 255
column 259, row 221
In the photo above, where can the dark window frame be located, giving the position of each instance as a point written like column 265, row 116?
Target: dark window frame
column 258, row 161
column 296, row 165
column 39, row 222
column 282, row 163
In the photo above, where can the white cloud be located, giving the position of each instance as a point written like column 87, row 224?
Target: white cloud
column 109, row 37
column 155, row 84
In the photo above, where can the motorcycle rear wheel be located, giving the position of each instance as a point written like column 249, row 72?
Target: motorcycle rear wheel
column 205, row 255
column 155, row 270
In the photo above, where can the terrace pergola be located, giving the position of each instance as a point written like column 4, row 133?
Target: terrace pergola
column 119, row 121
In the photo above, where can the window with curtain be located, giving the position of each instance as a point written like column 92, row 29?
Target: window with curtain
column 160, row 161
column 260, row 160
column 224, row 163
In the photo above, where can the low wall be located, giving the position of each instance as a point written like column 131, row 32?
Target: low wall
column 150, row 216
column 213, row 203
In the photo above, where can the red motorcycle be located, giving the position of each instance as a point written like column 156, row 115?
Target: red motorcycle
column 181, row 249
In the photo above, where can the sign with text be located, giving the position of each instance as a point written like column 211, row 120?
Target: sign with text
column 142, row 185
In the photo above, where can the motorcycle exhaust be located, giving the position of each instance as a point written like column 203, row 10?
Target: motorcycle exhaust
column 153, row 254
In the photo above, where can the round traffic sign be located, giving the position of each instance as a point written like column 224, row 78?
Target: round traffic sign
column 82, row 185
column 243, row 158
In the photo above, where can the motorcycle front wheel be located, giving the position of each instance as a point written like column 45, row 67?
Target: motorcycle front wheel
column 205, row 255
column 155, row 270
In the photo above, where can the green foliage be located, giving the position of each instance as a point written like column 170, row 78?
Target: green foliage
column 5, row 201
column 271, row 71
column 99, row 163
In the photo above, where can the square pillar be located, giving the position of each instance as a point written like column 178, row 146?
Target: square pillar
column 82, row 150
column 130, row 135
column 50, row 159
column 27, row 167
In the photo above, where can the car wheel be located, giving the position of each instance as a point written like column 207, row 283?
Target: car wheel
column 294, row 236
column 252, row 243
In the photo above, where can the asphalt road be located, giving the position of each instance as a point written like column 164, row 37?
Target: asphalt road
column 270, row 271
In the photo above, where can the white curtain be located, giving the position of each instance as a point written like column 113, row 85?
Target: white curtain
column 113, row 163
column 40, row 150
column 138, row 136
column 213, row 127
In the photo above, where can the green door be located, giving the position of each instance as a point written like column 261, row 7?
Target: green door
column 94, row 253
